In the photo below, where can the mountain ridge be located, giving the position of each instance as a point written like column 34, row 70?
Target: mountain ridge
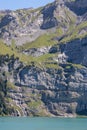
column 43, row 60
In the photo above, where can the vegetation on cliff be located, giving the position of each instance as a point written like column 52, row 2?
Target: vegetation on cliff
column 43, row 60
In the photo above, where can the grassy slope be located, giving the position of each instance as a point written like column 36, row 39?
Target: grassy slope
column 44, row 40
column 74, row 32
column 47, row 39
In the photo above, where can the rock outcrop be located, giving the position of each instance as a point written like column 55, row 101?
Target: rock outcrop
column 43, row 60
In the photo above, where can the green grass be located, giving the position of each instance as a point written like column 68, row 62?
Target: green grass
column 4, row 50
column 79, row 66
column 38, row 61
column 59, row 32
column 34, row 104
column 73, row 32
column 22, row 57
column 44, row 40
column 69, row 65
column 70, row 17
column 48, row 39
column 53, row 65
column 45, row 57
column 11, row 86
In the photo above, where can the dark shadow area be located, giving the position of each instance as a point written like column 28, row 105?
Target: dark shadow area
column 49, row 20
column 77, row 7
column 6, row 20
column 82, row 113
column 76, row 51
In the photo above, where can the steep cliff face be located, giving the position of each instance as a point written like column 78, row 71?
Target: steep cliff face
column 59, row 91
column 43, row 60
column 78, row 6
column 24, row 23
column 75, row 51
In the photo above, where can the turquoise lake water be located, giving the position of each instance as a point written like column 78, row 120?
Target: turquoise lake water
column 38, row 123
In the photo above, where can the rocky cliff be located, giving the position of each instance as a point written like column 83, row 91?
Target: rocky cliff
column 43, row 60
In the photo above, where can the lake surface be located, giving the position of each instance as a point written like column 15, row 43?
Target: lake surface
column 38, row 123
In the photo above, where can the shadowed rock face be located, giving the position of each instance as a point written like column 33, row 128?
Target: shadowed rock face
column 75, row 50
column 49, row 20
column 6, row 20
column 48, row 75
column 63, row 91
column 78, row 6
column 25, row 23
